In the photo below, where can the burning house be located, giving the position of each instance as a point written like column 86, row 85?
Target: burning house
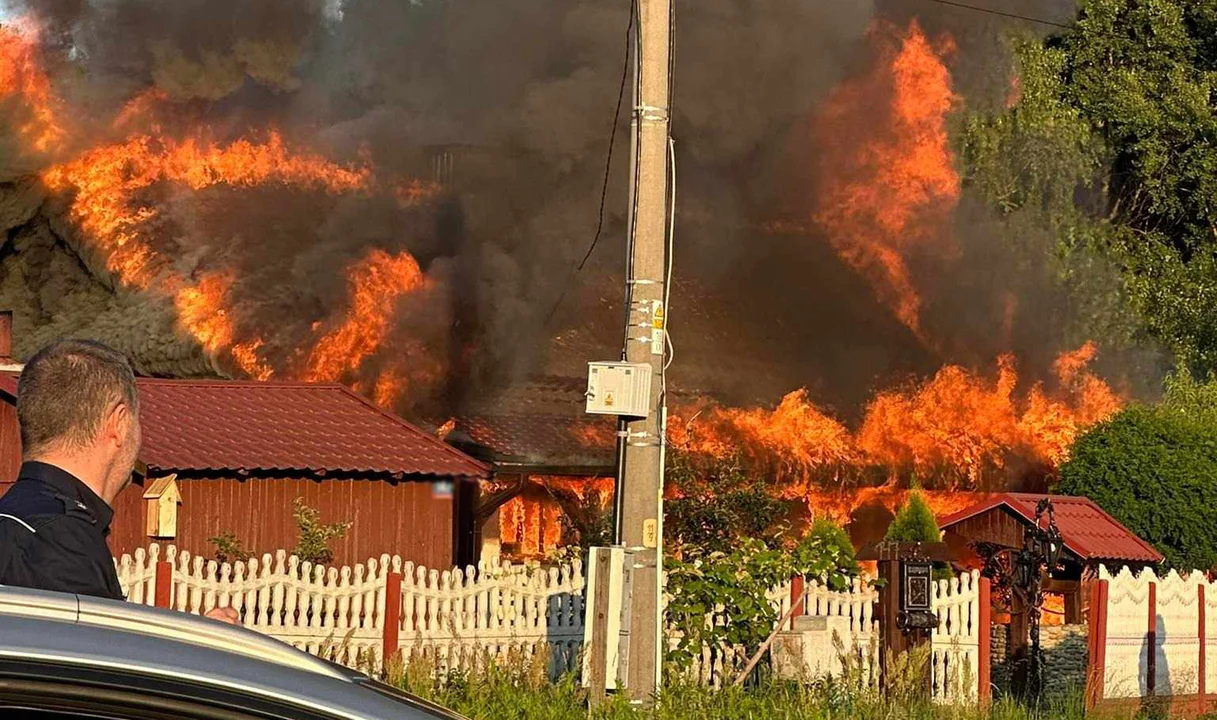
column 402, row 198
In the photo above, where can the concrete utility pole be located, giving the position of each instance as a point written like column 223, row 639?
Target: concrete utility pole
column 641, row 479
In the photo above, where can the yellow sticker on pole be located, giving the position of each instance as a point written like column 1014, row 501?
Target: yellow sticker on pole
column 650, row 533
column 657, row 331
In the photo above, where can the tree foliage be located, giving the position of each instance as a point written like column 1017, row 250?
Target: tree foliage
column 229, row 548
column 731, row 545
column 1155, row 470
column 719, row 599
column 914, row 522
column 827, row 533
column 717, row 501
column 1111, row 147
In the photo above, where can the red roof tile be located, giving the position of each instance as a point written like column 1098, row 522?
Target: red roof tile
column 542, row 440
column 1088, row 531
column 216, row 425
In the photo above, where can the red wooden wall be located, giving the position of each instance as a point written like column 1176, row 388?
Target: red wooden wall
column 403, row 518
column 10, row 445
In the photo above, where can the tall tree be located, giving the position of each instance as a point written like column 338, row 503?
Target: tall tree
column 1112, row 145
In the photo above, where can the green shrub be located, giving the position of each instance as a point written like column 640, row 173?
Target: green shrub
column 826, row 533
column 914, row 522
column 1154, row 470
column 229, row 548
column 313, row 544
column 733, row 587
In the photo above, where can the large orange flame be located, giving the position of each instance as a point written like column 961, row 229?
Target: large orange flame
column 532, row 522
column 840, row 505
column 377, row 283
column 106, row 180
column 957, row 429
column 21, row 76
column 890, row 193
column 108, row 187
column 796, row 437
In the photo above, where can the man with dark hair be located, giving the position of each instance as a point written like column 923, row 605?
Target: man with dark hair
column 80, row 434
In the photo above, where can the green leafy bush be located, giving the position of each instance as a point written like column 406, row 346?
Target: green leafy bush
column 229, row 548
column 830, row 535
column 1154, row 470
column 914, row 522
column 732, row 587
column 313, row 545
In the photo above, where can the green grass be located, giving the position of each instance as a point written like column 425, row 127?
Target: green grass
column 519, row 690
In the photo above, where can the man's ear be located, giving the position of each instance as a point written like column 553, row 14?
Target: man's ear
column 117, row 423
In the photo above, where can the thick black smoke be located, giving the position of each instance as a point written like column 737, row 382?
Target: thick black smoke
column 510, row 105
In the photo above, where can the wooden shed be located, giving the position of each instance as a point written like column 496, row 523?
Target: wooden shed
column 232, row 456
column 1091, row 538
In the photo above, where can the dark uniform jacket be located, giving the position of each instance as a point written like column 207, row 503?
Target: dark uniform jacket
column 53, row 532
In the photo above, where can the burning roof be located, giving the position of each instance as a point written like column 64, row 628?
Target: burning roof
column 268, row 205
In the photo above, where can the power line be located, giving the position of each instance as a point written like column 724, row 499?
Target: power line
column 1013, row 16
column 608, row 165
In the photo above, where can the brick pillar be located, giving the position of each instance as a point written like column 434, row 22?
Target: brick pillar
column 1096, row 657
column 392, row 615
column 164, row 584
column 984, row 690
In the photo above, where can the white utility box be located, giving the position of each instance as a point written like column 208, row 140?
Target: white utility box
column 619, row 388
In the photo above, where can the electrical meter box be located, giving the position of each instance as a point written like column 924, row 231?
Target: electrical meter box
column 619, row 388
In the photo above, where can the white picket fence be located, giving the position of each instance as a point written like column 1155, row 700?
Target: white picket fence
column 457, row 617
column 955, row 643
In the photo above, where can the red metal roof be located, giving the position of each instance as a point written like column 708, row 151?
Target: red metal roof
column 217, row 425
column 1088, row 531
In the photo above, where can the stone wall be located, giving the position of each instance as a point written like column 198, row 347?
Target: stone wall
column 1065, row 654
column 999, row 668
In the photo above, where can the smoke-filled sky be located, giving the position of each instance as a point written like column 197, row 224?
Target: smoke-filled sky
column 521, row 94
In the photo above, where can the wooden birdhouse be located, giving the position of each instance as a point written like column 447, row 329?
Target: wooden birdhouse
column 162, row 498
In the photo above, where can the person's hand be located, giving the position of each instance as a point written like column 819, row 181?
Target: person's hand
column 224, row 614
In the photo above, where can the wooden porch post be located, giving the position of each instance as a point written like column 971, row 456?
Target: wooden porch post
column 1201, row 660
column 1151, row 661
column 796, row 596
column 984, row 693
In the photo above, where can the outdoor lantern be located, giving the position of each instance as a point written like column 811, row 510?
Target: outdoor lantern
column 1054, row 552
column 1023, row 568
